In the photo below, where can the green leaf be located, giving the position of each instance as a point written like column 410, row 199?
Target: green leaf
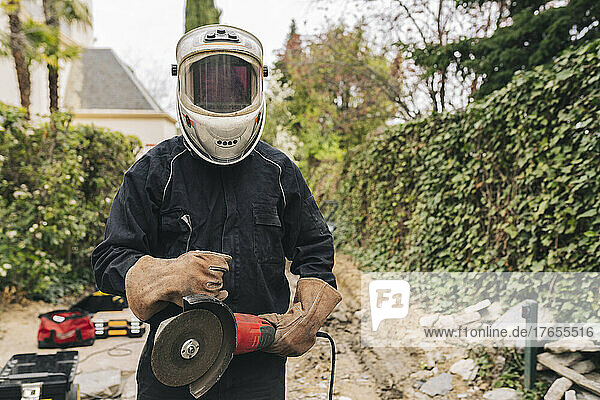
column 588, row 213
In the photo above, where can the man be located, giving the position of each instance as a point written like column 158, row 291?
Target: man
column 217, row 212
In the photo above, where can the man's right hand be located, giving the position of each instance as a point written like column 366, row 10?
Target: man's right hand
column 153, row 282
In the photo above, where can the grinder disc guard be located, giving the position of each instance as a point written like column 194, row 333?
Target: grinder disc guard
column 172, row 363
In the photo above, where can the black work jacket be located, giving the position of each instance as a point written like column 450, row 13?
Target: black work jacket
column 259, row 211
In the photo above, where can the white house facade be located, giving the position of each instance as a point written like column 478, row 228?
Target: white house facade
column 97, row 88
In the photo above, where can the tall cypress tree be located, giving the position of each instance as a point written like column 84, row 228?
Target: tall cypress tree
column 200, row 12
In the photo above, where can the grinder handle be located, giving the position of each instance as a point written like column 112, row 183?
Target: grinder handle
column 253, row 333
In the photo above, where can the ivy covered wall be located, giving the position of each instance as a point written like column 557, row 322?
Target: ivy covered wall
column 512, row 183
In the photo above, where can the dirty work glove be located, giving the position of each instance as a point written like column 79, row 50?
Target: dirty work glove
column 153, row 282
column 296, row 330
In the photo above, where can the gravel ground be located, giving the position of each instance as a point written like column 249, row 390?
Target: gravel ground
column 362, row 373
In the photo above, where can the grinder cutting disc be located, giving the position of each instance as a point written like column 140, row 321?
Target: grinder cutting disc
column 186, row 347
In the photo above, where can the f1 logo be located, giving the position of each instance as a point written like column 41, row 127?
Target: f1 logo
column 389, row 300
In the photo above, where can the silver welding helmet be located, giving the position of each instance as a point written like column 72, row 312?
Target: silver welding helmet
column 220, row 101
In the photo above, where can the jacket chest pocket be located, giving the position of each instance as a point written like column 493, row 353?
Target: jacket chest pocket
column 176, row 231
column 268, row 234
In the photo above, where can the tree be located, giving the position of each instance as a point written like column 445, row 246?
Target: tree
column 55, row 12
column 340, row 89
column 200, row 12
column 524, row 34
column 402, row 28
column 538, row 33
column 17, row 45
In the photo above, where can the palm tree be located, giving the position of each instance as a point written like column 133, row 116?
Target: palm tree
column 55, row 12
column 16, row 42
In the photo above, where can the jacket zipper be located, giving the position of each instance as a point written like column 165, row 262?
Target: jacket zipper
column 188, row 221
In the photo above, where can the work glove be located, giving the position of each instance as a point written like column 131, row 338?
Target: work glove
column 296, row 330
column 153, row 282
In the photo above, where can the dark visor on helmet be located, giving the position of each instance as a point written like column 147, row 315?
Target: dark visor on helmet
column 220, row 83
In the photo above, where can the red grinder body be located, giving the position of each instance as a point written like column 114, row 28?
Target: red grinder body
column 253, row 333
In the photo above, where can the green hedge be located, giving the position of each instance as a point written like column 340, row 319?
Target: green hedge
column 512, row 183
column 56, row 187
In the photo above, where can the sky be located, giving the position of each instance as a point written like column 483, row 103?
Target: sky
column 144, row 33
column 135, row 28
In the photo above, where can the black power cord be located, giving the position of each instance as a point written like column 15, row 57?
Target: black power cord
column 326, row 336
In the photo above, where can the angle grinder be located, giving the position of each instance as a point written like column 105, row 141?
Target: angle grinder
column 195, row 347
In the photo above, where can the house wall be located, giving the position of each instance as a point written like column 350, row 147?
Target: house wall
column 150, row 127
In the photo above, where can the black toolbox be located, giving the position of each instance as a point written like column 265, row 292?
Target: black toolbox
column 34, row 376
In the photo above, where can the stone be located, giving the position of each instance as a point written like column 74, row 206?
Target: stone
column 340, row 315
column 441, row 384
column 566, row 359
column 568, row 345
column 502, row 394
column 584, row 366
column 434, row 357
column 493, row 312
column 446, row 321
column 467, row 318
column 466, row 369
column 129, row 387
column 558, row 389
column 570, row 395
column 418, row 383
column 585, row 395
column 100, row 384
column 462, row 395
column 419, row 396
column 593, row 376
column 477, row 307
column 421, row 375
column 427, row 321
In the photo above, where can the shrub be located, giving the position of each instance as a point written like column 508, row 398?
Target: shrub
column 56, row 187
column 511, row 184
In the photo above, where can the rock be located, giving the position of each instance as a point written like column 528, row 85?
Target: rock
column 462, row 395
column 100, row 384
column 493, row 312
column 467, row 318
column 129, row 388
column 583, row 395
column 477, row 307
column 358, row 314
column 427, row 321
column 558, row 389
column 419, row 396
column 440, row 384
column 568, row 345
column 340, row 316
column 502, row 394
column 426, row 346
column 566, row 359
column 434, row 357
column 466, row 369
column 421, row 375
column 583, row 367
column 446, row 321
column 570, row 395
column 418, row 383
column 499, row 362
column 593, row 376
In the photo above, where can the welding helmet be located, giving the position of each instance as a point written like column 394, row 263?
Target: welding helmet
column 220, row 100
